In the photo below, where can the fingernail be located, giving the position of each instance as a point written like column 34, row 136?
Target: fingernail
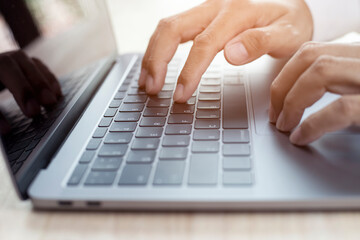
column 47, row 97
column 237, row 53
column 296, row 137
column 149, row 83
column 179, row 92
column 280, row 124
column 272, row 116
column 142, row 77
column 32, row 108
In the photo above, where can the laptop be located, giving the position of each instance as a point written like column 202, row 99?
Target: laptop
column 107, row 145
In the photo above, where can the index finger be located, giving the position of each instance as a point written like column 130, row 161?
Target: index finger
column 165, row 40
column 224, row 27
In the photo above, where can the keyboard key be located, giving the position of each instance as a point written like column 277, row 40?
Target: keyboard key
column 123, row 88
column 32, row 144
column 141, row 157
column 208, row 105
column 210, row 88
column 204, row 147
column 168, row 87
column 236, row 136
column 176, row 153
column 145, row 144
column 209, row 96
column 135, row 99
column 123, row 127
column 182, row 108
column 118, row 137
column 207, row 114
column 107, row 164
column 97, row 178
column 105, row 122
column 169, row 173
column 162, row 95
column 176, row 141
column 236, row 150
column 234, row 112
column 77, row 174
column 99, row 132
column 203, row 169
column 152, row 122
column 127, row 117
column 180, row 118
column 136, row 107
column 204, row 135
column 178, row 129
column 211, row 81
column 87, row 156
column 159, row 103
column 207, row 124
column 155, row 112
column 115, row 104
column 113, row 150
column 233, row 81
column 110, row 112
column 135, row 174
column 149, row 132
column 119, row 95
column 236, row 163
column 192, row 100
column 20, row 145
column 237, row 178
column 93, row 144
column 136, row 91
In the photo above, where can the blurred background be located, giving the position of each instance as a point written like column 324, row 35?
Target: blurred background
column 129, row 18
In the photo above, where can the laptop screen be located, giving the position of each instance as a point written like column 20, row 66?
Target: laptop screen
column 64, row 35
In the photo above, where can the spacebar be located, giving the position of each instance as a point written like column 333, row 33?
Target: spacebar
column 234, row 109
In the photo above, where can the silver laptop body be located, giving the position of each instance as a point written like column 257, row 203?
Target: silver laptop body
column 234, row 161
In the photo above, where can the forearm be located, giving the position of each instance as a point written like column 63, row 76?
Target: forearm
column 333, row 18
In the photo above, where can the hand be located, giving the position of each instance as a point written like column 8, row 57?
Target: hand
column 315, row 69
column 245, row 29
column 30, row 81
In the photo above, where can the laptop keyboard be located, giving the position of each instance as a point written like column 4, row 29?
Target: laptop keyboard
column 150, row 140
column 27, row 132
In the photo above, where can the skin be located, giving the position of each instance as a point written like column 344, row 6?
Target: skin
column 315, row 69
column 31, row 83
column 244, row 29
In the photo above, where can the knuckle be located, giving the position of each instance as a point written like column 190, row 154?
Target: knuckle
column 204, row 40
column 346, row 105
column 308, row 126
column 169, row 25
column 289, row 102
column 322, row 65
column 308, row 51
column 275, row 90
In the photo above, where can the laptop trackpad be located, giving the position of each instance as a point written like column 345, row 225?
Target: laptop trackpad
column 260, row 94
column 338, row 148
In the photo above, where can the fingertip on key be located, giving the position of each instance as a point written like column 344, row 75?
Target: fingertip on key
column 179, row 92
column 149, row 84
column 142, row 77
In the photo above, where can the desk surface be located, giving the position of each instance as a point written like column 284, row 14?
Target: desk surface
column 19, row 221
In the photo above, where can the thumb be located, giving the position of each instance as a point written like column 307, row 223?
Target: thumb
column 248, row 46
